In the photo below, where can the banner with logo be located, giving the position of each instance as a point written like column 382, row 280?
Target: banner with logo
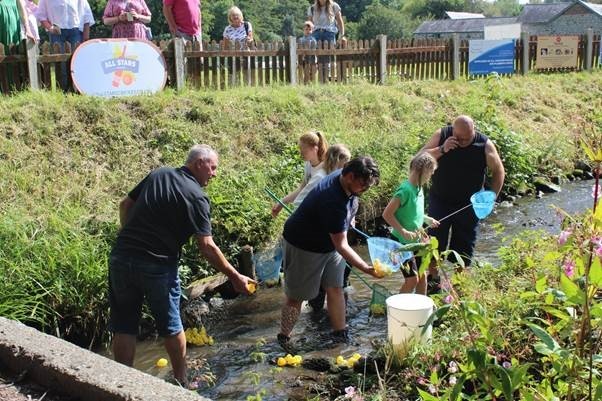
column 118, row 67
column 487, row 56
column 556, row 52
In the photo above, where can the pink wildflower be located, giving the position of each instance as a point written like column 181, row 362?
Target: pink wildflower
column 453, row 381
column 432, row 389
column 452, row 367
column 564, row 235
column 569, row 268
column 445, row 285
column 506, row 365
column 448, row 299
column 421, row 381
column 349, row 392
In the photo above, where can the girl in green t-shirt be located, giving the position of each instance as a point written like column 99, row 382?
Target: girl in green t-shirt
column 405, row 213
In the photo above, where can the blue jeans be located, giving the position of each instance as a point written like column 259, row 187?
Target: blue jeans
column 134, row 278
column 463, row 227
column 323, row 35
column 73, row 36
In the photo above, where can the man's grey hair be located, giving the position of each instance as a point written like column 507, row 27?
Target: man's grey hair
column 202, row 152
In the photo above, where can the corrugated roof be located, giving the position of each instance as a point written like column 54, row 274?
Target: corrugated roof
column 539, row 13
column 462, row 25
column 459, row 15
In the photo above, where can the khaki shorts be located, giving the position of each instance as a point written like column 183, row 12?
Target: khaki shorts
column 305, row 272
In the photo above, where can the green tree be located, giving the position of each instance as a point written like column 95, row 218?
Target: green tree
column 431, row 8
column 380, row 19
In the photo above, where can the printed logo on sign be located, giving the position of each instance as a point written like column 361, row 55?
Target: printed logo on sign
column 123, row 68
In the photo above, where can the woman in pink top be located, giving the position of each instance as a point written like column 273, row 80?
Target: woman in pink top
column 127, row 18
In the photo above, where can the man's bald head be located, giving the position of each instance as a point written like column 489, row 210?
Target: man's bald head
column 463, row 130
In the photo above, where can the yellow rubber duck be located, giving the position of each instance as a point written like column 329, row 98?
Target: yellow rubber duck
column 251, row 287
column 161, row 363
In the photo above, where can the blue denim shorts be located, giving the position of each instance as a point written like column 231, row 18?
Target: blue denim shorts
column 133, row 279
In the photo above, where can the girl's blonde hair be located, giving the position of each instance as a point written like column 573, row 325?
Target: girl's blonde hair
column 315, row 138
column 234, row 11
column 336, row 157
column 422, row 163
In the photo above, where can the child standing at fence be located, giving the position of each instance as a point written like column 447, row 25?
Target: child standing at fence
column 313, row 148
column 307, row 41
column 405, row 213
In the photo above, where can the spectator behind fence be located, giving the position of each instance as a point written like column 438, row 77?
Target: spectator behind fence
column 66, row 20
column 239, row 30
column 13, row 15
column 128, row 18
column 307, row 41
column 32, row 21
column 328, row 21
column 183, row 18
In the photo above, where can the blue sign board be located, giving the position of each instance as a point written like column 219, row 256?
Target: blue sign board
column 487, row 56
column 118, row 67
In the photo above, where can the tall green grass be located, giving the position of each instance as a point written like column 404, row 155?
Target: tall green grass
column 67, row 160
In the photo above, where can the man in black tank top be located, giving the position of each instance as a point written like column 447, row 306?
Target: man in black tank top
column 463, row 155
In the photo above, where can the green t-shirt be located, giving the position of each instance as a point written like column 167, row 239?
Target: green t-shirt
column 410, row 213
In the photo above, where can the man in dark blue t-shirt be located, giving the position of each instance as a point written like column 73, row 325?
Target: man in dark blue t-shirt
column 157, row 217
column 315, row 246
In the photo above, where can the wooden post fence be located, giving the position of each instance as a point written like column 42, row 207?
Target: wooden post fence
column 382, row 62
column 455, row 56
column 293, row 60
column 589, row 52
column 524, row 38
column 213, row 65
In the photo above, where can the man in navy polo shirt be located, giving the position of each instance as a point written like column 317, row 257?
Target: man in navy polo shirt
column 315, row 246
column 157, row 217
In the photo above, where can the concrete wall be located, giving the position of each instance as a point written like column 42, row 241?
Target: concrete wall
column 84, row 375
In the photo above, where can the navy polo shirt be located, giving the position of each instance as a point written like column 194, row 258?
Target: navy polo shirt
column 326, row 210
column 170, row 206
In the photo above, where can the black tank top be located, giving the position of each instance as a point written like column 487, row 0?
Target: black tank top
column 461, row 171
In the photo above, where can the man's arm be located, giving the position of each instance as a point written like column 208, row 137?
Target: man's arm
column 342, row 246
column 124, row 208
column 86, row 32
column 171, row 22
column 432, row 146
column 216, row 258
column 494, row 164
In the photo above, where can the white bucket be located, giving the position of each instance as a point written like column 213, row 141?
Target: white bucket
column 406, row 316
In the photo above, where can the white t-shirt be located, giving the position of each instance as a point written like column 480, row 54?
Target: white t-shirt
column 312, row 176
column 237, row 34
column 67, row 14
column 321, row 18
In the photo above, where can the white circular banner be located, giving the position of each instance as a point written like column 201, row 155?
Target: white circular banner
column 118, row 67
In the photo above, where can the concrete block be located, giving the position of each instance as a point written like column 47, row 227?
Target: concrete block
column 71, row 370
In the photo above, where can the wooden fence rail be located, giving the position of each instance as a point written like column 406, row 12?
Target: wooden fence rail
column 214, row 65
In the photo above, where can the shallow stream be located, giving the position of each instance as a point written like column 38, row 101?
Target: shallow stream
column 256, row 318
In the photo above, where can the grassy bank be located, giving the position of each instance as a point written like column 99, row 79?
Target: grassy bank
column 65, row 162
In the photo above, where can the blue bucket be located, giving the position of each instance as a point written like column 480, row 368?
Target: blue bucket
column 267, row 265
column 482, row 203
column 387, row 251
